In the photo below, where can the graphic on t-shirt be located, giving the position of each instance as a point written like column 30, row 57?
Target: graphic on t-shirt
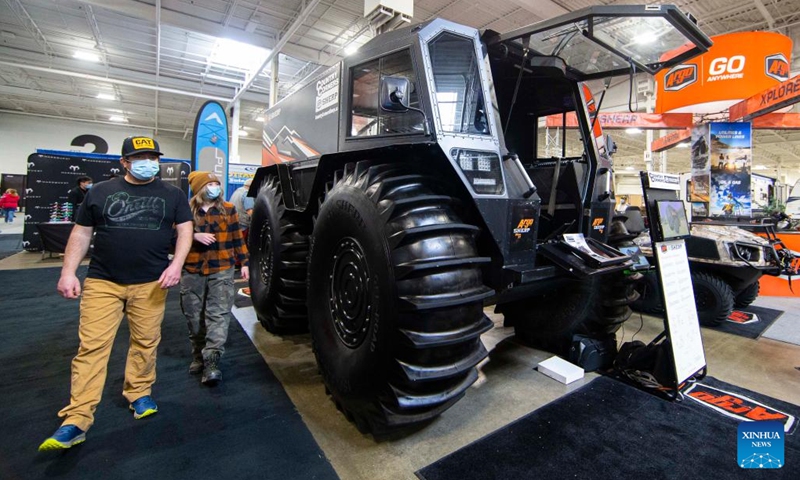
column 141, row 213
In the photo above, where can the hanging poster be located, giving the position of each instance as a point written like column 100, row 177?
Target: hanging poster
column 731, row 159
column 701, row 180
column 210, row 140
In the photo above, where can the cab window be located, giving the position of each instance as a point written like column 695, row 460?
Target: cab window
column 366, row 117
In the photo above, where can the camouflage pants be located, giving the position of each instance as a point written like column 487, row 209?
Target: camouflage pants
column 206, row 301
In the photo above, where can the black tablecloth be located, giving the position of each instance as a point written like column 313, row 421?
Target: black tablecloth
column 54, row 236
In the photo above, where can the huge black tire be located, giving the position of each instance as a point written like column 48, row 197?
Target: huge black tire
column 713, row 298
column 615, row 292
column 649, row 300
column 596, row 307
column 395, row 298
column 548, row 320
column 747, row 296
column 278, row 244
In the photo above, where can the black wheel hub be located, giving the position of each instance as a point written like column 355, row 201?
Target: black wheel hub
column 704, row 300
column 265, row 257
column 349, row 293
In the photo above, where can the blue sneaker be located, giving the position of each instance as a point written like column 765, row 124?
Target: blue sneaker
column 65, row 437
column 143, row 407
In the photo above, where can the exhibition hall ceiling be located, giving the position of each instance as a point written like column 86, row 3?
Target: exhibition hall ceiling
column 152, row 63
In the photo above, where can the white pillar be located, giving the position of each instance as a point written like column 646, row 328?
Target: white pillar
column 233, row 155
column 273, row 83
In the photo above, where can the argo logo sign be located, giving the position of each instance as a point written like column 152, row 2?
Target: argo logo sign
column 737, row 66
column 680, row 77
column 777, row 67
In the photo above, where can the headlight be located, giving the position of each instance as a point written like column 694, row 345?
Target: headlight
column 744, row 252
column 482, row 170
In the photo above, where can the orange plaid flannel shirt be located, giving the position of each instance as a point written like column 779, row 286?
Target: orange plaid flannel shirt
column 226, row 251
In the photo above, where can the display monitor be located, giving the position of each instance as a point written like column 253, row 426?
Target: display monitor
column 672, row 219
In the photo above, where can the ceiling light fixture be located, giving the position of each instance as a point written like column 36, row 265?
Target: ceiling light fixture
column 81, row 55
column 645, row 38
column 260, row 119
column 633, row 130
column 106, row 96
column 239, row 55
column 683, row 145
column 117, row 118
column 760, row 167
column 350, row 49
column 242, row 133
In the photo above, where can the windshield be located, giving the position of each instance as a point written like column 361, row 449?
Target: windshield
column 645, row 40
column 605, row 41
column 457, row 81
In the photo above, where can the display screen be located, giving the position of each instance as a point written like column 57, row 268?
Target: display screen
column 672, row 219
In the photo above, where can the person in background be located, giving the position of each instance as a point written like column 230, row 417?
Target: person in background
column 244, row 206
column 9, row 203
column 77, row 194
column 207, row 287
column 129, row 274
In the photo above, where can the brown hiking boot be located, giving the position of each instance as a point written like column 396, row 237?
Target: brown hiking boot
column 196, row 366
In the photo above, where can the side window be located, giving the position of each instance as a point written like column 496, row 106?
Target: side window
column 365, row 80
column 367, row 119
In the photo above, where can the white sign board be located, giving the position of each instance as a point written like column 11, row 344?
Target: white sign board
column 682, row 324
column 664, row 181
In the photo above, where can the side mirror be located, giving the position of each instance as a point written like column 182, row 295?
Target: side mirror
column 394, row 94
column 611, row 147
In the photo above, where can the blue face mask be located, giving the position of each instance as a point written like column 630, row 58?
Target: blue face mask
column 213, row 192
column 88, row 186
column 144, row 169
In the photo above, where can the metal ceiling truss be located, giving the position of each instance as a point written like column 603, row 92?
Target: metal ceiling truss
column 163, row 46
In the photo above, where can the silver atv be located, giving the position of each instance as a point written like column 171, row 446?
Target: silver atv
column 726, row 264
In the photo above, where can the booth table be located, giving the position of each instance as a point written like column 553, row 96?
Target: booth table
column 54, row 236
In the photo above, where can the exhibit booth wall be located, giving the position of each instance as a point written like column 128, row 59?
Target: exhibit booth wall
column 25, row 134
column 52, row 174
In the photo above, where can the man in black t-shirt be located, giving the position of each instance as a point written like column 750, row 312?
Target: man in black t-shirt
column 132, row 219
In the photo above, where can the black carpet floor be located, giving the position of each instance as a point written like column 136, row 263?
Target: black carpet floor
column 610, row 430
column 10, row 244
column 245, row 428
column 766, row 317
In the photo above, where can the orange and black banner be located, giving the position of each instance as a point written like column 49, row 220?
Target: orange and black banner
column 671, row 139
column 736, row 67
column 645, row 121
column 778, row 121
column 769, row 100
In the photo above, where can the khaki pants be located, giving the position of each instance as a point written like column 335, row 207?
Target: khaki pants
column 102, row 306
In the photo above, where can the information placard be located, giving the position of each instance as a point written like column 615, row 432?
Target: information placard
column 681, row 319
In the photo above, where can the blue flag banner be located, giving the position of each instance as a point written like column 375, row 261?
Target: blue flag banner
column 210, row 141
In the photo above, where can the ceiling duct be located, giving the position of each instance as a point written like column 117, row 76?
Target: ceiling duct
column 387, row 15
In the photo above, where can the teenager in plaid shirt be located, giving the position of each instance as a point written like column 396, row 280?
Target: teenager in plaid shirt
column 207, row 289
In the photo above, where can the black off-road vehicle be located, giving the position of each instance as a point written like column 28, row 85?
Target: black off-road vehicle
column 413, row 184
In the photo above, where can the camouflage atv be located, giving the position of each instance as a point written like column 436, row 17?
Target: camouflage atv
column 726, row 264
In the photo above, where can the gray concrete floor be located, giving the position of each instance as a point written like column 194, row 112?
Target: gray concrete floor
column 508, row 388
